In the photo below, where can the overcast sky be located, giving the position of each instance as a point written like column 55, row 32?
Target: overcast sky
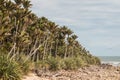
column 96, row 22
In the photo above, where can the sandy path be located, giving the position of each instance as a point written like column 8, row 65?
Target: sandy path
column 32, row 76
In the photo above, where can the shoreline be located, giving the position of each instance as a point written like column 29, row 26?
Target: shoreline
column 102, row 72
column 114, row 63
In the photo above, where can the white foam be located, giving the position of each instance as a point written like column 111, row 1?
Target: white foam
column 114, row 63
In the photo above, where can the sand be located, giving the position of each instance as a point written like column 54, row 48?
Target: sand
column 104, row 72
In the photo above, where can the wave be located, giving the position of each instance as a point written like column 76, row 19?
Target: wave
column 114, row 63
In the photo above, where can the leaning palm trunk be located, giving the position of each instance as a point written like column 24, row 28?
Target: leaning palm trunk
column 13, row 49
column 51, row 49
column 33, row 46
column 14, row 55
column 34, row 52
column 44, row 53
column 65, row 54
column 56, row 48
column 72, row 51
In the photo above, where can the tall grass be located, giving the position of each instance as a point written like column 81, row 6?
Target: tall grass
column 9, row 69
column 13, row 69
column 24, row 66
column 52, row 63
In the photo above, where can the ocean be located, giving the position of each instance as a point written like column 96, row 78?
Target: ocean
column 113, row 60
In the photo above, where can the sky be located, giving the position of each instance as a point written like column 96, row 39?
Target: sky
column 95, row 22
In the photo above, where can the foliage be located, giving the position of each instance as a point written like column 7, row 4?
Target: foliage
column 60, row 63
column 9, row 69
column 21, row 31
column 24, row 66
column 39, row 40
column 53, row 63
column 70, row 63
column 79, row 62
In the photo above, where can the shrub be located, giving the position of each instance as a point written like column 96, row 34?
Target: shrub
column 42, row 64
column 25, row 66
column 79, row 62
column 70, row 64
column 97, row 61
column 91, row 60
column 62, row 64
column 9, row 69
column 53, row 63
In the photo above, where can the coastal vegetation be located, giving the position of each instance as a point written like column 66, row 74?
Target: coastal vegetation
column 31, row 42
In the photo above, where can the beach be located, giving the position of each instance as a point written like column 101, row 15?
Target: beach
column 113, row 60
column 102, row 72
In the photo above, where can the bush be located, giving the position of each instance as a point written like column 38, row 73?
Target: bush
column 58, row 63
column 53, row 63
column 25, row 66
column 70, row 64
column 9, row 69
column 79, row 62
column 62, row 64
column 42, row 64
column 97, row 61
column 91, row 60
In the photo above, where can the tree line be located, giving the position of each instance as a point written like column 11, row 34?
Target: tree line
column 23, row 32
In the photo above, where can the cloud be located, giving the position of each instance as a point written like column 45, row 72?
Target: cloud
column 96, row 22
column 45, row 4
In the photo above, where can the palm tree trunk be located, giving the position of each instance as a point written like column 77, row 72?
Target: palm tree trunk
column 65, row 51
column 45, row 46
column 34, row 52
column 72, row 51
column 13, row 48
column 51, row 49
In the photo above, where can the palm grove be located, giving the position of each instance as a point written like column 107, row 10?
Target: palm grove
column 38, row 39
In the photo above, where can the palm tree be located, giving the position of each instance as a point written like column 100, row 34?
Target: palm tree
column 26, row 4
column 73, row 37
column 18, row 2
column 22, row 32
column 68, row 32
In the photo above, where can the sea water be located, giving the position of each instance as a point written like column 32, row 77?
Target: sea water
column 113, row 60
